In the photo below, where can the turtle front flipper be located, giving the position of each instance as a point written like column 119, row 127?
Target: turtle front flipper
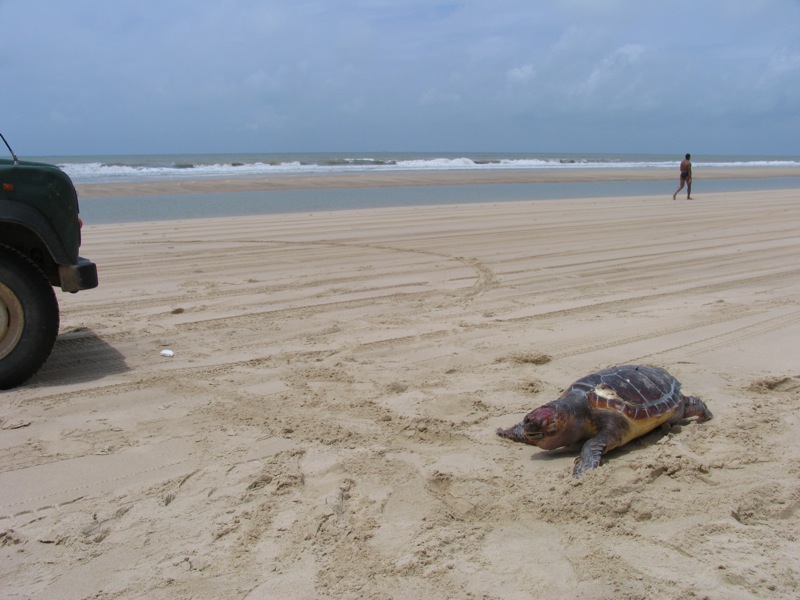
column 589, row 459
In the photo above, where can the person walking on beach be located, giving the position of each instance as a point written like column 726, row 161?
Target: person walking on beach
column 686, row 177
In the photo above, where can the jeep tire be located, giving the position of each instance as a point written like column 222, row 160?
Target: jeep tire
column 28, row 318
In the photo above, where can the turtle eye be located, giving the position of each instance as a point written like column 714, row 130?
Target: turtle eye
column 541, row 420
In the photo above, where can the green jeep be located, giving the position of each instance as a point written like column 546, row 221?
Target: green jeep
column 40, row 233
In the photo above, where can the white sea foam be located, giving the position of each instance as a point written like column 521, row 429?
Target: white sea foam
column 127, row 169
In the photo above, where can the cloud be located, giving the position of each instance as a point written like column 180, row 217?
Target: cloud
column 205, row 75
column 615, row 70
column 435, row 96
column 521, row 74
column 784, row 62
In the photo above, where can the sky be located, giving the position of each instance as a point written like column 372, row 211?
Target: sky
column 83, row 77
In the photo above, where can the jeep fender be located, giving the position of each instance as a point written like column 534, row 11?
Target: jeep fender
column 31, row 219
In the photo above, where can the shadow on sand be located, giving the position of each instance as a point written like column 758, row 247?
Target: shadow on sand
column 79, row 356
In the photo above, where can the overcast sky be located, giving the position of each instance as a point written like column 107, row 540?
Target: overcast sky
column 169, row 76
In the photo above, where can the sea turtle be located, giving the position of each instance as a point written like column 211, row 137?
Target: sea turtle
column 608, row 408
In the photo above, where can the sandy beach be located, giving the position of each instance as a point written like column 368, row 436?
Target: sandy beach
column 326, row 426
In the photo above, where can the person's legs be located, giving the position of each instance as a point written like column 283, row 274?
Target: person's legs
column 680, row 187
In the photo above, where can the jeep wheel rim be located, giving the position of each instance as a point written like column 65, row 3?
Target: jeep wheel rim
column 12, row 321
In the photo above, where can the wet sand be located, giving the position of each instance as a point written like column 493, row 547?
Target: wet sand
column 325, row 428
column 416, row 178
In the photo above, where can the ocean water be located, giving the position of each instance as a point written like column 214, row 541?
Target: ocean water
column 105, row 169
column 193, row 206
column 150, row 168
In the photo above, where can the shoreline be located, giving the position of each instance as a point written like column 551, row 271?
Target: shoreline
column 415, row 178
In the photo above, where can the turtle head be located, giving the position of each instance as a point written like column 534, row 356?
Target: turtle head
column 546, row 427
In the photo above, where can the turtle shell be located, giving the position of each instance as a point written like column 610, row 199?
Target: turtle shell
column 647, row 396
